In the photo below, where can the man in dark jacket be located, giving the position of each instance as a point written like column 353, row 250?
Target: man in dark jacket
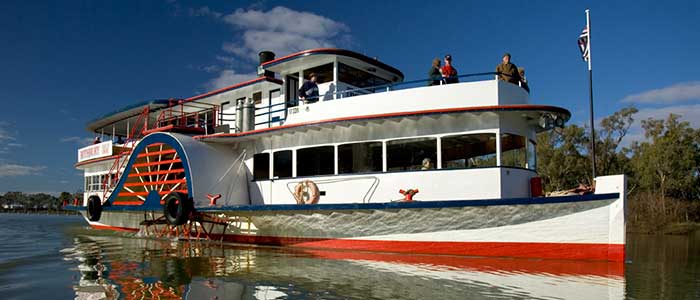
column 309, row 90
column 507, row 71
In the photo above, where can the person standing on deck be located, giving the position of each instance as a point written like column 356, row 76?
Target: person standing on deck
column 434, row 74
column 309, row 90
column 449, row 73
column 507, row 71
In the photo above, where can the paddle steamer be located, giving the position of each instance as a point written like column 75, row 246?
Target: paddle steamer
column 376, row 164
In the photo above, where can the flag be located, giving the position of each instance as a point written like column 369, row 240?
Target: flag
column 583, row 44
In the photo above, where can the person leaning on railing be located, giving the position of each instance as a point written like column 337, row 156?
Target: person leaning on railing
column 507, row 71
column 309, row 90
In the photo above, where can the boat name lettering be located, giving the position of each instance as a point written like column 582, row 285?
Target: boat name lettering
column 95, row 151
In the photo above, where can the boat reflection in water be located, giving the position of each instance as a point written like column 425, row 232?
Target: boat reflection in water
column 119, row 267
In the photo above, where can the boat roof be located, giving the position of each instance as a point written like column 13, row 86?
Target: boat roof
column 303, row 58
column 126, row 113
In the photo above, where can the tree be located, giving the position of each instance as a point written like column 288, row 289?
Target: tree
column 668, row 160
column 612, row 131
column 562, row 162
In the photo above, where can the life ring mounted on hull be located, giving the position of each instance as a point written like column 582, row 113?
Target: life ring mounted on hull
column 177, row 208
column 94, row 208
column 306, row 192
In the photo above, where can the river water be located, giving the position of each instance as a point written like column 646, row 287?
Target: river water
column 58, row 257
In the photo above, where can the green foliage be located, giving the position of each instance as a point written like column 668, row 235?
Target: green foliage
column 562, row 159
column 663, row 170
column 668, row 160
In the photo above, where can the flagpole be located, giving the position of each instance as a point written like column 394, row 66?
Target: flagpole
column 590, row 90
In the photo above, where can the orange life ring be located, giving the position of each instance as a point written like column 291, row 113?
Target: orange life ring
column 306, row 192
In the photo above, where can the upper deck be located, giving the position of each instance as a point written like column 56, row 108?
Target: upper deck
column 351, row 86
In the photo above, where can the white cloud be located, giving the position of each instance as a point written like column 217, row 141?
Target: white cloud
column 227, row 78
column 282, row 19
column 12, row 170
column 679, row 92
column 281, row 30
column 690, row 113
column 204, row 11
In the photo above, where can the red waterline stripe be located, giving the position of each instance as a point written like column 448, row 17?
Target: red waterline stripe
column 115, row 228
column 575, row 251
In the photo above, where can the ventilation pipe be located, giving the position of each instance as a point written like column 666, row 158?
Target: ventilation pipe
column 266, row 56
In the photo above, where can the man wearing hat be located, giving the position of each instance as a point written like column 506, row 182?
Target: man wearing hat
column 309, row 90
column 507, row 71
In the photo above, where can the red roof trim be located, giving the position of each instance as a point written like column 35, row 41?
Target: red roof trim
column 335, row 51
column 398, row 114
column 233, row 87
column 94, row 160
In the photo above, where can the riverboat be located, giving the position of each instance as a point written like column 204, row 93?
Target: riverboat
column 375, row 163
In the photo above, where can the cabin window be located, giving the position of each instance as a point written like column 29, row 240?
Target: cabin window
column 324, row 73
column 360, row 158
column 411, row 154
column 469, row 151
column 257, row 98
column 513, row 152
column 358, row 78
column 261, row 166
column 316, row 161
column 282, row 164
column 531, row 155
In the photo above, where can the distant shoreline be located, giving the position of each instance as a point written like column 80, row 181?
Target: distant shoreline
column 41, row 212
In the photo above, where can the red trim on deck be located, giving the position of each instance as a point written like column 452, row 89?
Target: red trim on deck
column 232, row 87
column 94, row 160
column 396, row 114
column 173, row 128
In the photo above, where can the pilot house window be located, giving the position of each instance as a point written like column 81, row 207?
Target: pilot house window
column 469, row 151
column 513, row 152
column 324, row 73
column 316, row 161
column 411, row 154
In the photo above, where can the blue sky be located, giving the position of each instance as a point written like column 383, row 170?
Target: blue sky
column 64, row 63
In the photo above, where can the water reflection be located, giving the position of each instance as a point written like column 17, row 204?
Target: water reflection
column 120, row 267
